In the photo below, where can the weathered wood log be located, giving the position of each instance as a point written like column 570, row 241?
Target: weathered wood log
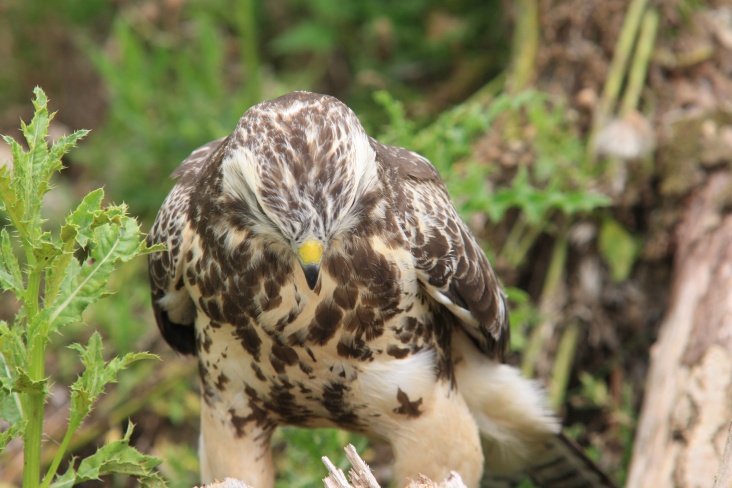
column 688, row 403
column 724, row 473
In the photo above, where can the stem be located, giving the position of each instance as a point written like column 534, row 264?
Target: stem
column 615, row 75
column 513, row 238
column 31, row 295
column 639, row 68
column 33, row 406
column 73, row 425
column 114, row 409
column 525, row 45
column 563, row 365
column 552, row 282
column 525, row 243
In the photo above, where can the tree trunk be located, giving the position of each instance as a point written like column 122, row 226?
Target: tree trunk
column 688, row 402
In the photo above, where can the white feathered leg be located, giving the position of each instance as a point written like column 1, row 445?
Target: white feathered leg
column 225, row 452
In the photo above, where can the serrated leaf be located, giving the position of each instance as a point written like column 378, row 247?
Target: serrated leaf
column 97, row 375
column 10, row 408
column 15, row 430
column 120, row 457
column 58, row 150
column 46, row 250
column 9, row 198
column 79, row 223
column 32, row 168
column 85, row 284
column 11, row 278
column 66, row 480
column 618, row 248
column 115, row 457
column 21, row 382
column 12, row 346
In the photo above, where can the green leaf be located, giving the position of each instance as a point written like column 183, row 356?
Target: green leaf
column 66, row 480
column 11, row 278
column 21, row 382
column 80, row 223
column 120, row 457
column 45, row 250
column 97, row 374
column 30, row 169
column 573, row 202
column 78, row 228
column 11, row 202
column 12, row 345
column 11, row 409
column 117, row 241
column 15, row 430
column 618, row 248
column 58, row 150
column 23, row 188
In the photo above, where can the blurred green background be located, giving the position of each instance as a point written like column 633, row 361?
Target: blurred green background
column 510, row 100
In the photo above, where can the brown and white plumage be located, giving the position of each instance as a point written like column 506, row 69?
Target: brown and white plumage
column 325, row 279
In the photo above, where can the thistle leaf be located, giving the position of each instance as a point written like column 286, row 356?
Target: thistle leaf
column 97, row 375
column 116, row 241
column 115, row 457
column 11, row 278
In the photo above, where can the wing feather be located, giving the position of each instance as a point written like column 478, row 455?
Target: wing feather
column 451, row 266
column 174, row 310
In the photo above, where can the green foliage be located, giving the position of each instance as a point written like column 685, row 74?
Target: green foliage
column 524, row 315
column 554, row 183
column 74, row 266
column 303, row 447
column 117, row 457
column 396, row 45
column 618, row 248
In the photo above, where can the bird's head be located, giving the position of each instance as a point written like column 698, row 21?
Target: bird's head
column 300, row 163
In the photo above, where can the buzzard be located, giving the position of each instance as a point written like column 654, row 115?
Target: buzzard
column 322, row 278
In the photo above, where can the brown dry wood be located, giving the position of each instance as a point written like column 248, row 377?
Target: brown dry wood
column 688, row 402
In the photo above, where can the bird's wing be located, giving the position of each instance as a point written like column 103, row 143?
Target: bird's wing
column 451, row 266
column 174, row 310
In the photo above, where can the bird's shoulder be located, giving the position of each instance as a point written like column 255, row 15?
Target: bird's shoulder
column 402, row 163
column 191, row 167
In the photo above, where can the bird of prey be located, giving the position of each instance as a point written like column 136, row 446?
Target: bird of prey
column 325, row 279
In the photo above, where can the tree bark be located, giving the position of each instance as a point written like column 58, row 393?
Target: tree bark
column 688, row 403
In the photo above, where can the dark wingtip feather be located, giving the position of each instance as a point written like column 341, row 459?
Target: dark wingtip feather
column 181, row 337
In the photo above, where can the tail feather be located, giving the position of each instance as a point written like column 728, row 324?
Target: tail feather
column 520, row 435
column 562, row 464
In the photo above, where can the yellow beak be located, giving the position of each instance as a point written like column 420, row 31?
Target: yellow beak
column 310, row 254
